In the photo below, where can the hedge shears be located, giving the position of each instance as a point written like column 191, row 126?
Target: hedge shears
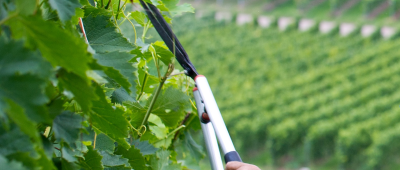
column 212, row 124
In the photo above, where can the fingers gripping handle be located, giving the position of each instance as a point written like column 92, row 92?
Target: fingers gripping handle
column 218, row 123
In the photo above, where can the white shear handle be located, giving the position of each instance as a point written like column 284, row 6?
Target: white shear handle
column 218, row 123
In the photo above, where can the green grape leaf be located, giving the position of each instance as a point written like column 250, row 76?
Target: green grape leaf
column 58, row 46
column 114, row 4
column 170, row 106
column 104, row 143
column 65, row 8
column 67, row 126
column 139, row 17
column 150, row 137
column 164, row 142
column 136, row 160
column 44, row 162
column 47, row 12
column 16, row 113
column 13, row 140
column 172, row 7
column 88, row 134
column 168, row 19
column 26, row 7
column 113, row 160
column 118, row 168
column 93, row 11
column 87, row 2
column 145, row 147
column 71, row 153
column 83, row 92
column 107, row 91
column 26, row 91
column 144, row 47
column 14, row 165
column 111, row 75
column 108, row 120
column 119, row 61
column 138, row 52
column 138, row 113
column 121, row 95
column 25, row 158
column 157, row 127
column 47, row 147
column 117, row 77
column 195, row 150
column 92, row 160
column 55, row 107
column 163, row 53
column 65, row 165
column 161, row 161
column 15, row 59
column 103, row 37
column 147, row 82
column 193, row 120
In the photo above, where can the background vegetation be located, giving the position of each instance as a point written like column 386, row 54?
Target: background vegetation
column 296, row 99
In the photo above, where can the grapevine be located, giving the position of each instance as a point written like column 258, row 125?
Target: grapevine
column 88, row 97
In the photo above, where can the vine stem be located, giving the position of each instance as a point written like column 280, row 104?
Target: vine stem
column 133, row 26
column 94, row 140
column 176, row 130
column 156, row 94
column 156, row 62
column 182, row 124
column 115, row 17
column 175, row 74
column 142, row 89
column 118, row 9
column 146, row 27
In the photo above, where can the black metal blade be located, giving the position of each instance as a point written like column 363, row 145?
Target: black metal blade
column 165, row 32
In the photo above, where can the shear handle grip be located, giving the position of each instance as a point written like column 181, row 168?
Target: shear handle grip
column 232, row 156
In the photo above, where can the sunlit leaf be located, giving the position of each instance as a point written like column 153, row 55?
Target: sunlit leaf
column 58, row 46
column 139, row 17
column 103, row 37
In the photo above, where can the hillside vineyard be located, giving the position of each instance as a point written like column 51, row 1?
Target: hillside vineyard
column 305, row 92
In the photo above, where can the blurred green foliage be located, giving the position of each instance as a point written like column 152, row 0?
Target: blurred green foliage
column 303, row 95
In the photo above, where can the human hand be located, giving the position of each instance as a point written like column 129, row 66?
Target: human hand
column 240, row 166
